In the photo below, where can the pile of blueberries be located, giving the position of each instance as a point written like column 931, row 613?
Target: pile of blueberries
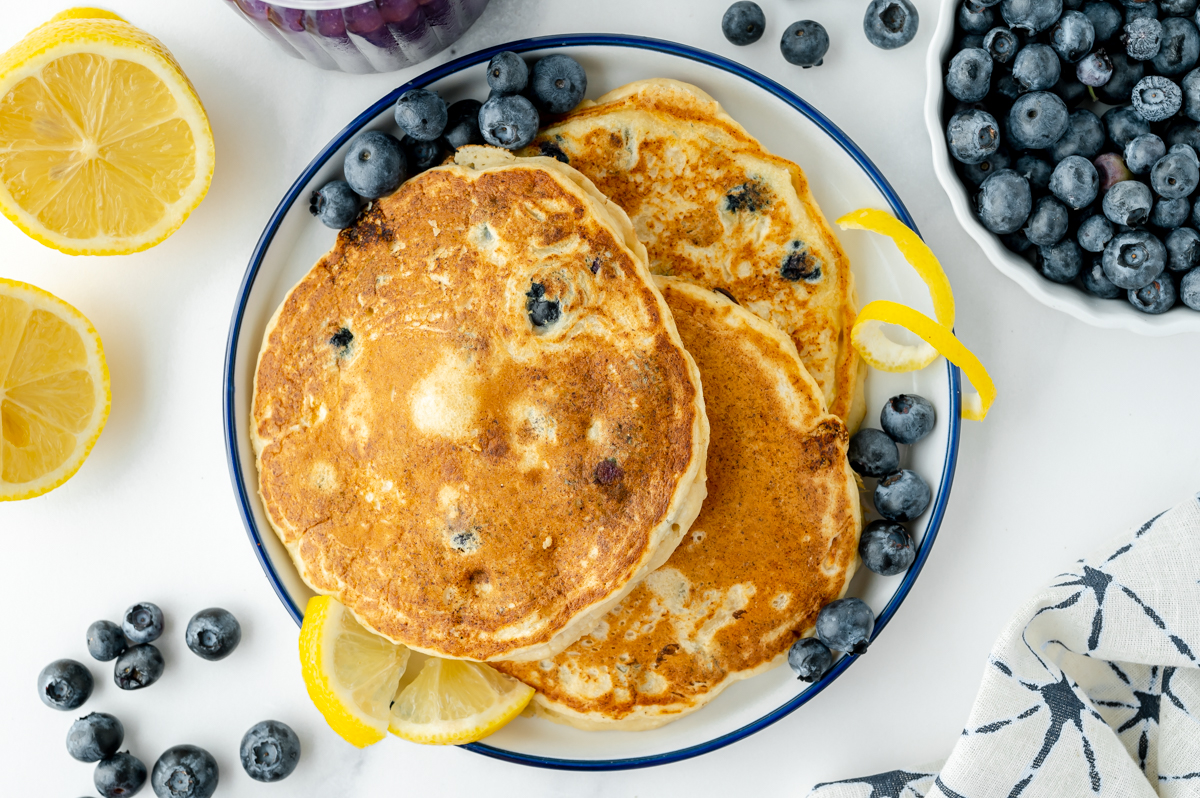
column 888, row 24
column 377, row 163
column 270, row 750
column 886, row 547
column 1101, row 198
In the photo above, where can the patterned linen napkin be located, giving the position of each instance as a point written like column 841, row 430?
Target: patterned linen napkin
column 1092, row 689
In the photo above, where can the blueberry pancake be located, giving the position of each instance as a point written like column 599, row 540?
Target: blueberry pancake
column 474, row 420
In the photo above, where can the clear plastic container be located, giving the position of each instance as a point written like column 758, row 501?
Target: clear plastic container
column 375, row 36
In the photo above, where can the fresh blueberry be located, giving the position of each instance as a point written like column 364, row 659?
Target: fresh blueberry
column 743, row 23
column 1069, row 89
column 213, row 633
column 1158, row 296
column 1094, row 233
column 1037, row 171
column 508, row 121
column 335, row 204
column 1189, row 289
column 508, row 73
column 65, row 684
column 805, row 43
column 886, row 548
column 185, row 771
column 872, row 453
column 1126, row 73
column 1140, row 9
column 1095, row 69
column 973, row 136
column 1133, row 259
column 975, row 19
column 1037, row 120
column 94, row 737
column 1007, row 90
column 1112, row 170
column 1084, row 136
column 969, row 75
column 1018, row 243
column 119, row 775
column 422, row 155
column 1048, row 222
column 976, row 173
column 809, row 659
column 1170, row 213
column 1096, row 282
column 1183, row 132
column 1032, row 16
column 270, row 751
column 1179, row 49
column 1036, row 67
column 1143, row 152
column 969, row 41
column 1142, row 37
column 462, row 124
column 105, row 640
column 846, row 625
column 1061, row 262
column 1156, row 98
column 1123, row 125
column 422, row 114
column 1183, row 249
column 1177, row 8
column 1001, row 44
column 558, row 84
column 142, row 623
column 1174, row 176
column 1191, row 95
column 889, row 24
column 1128, row 203
column 1004, row 202
column 1072, row 36
column 140, row 666
column 1105, row 18
column 1187, row 151
column 1075, row 182
column 375, row 165
column 902, row 496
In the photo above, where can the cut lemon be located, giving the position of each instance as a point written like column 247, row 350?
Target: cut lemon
column 54, row 391
column 104, row 146
column 452, row 702
column 351, row 673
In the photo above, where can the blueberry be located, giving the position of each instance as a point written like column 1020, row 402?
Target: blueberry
column 805, row 43
column 1141, row 38
column 270, row 751
column 1094, row 233
column 1140, row 9
column 809, row 659
column 1189, row 289
column 1032, row 16
column 1158, row 296
column 969, row 41
column 185, row 771
column 1174, row 176
column 65, row 684
column 1037, row 171
column 1177, row 8
column 1007, row 88
column 422, row 114
column 105, row 640
column 1133, row 259
column 140, row 666
column 422, row 155
column 973, row 136
column 1182, row 132
column 375, row 165
column 1097, row 283
column 1075, row 182
column 1180, row 47
column 1069, row 89
column 94, row 737
column 1048, row 222
column 976, row 173
column 1126, row 73
column 1004, row 202
column 969, row 75
column 975, row 19
column 1072, row 36
column 508, row 121
column 902, row 496
column 1156, row 98
column 1187, row 151
column 1018, row 243
column 1061, row 262
column 335, row 204
column 1183, row 249
column 1001, row 44
column 846, row 625
column 558, row 84
column 1128, row 203
column 213, row 633
column 119, row 775
column 889, row 24
column 462, row 124
column 1170, row 213
column 507, row 73
column 1191, row 95
column 1084, row 136
column 1037, row 120
column 142, row 623
column 872, row 453
column 1105, row 18
column 1112, row 170
column 542, row 312
column 1036, row 67
column 1095, row 69
column 1143, row 152
column 743, row 23
column 886, row 548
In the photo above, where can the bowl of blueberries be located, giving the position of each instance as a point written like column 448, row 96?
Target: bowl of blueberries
column 1067, row 136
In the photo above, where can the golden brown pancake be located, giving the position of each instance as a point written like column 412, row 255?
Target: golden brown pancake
column 776, row 540
column 475, row 422
column 715, row 208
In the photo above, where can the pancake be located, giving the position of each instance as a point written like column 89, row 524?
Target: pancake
column 713, row 207
column 776, row 540
column 474, row 421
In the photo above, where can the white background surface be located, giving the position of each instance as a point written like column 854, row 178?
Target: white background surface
column 1094, row 431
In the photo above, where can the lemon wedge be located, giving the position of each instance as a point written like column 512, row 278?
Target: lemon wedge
column 351, row 674
column 104, row 146
column 54, row 390
column 453, row 701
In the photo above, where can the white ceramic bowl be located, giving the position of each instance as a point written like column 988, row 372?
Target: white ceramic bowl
column 1111, row 313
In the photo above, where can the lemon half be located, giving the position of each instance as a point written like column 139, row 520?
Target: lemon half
column 452, row 702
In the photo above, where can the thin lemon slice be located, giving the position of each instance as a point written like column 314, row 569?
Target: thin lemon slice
column 351, row 673
column 54, row 390
column 453, row 701
column 104, row 146
column 937, row 337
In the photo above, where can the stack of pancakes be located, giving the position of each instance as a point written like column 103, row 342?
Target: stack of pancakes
column 581, row 414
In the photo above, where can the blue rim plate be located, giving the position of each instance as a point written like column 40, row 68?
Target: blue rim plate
column 234, row 430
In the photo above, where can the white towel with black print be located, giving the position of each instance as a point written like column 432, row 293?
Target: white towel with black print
column 1092, row 690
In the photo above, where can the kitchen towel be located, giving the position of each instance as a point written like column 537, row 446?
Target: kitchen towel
column 1093, row 689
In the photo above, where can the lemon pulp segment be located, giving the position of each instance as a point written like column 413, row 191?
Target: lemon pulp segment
column 452, row 702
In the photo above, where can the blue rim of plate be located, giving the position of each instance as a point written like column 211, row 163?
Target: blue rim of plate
column 605, row 40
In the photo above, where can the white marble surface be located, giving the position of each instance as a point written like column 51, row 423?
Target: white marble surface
column 1094, row 430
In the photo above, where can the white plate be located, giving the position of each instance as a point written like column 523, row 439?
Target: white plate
column 1111, row 313
column 841, row 177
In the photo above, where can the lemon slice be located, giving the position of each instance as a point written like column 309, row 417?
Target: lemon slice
column 453, row 701
column 104, row 146
column 54, row 392
column 351, row 673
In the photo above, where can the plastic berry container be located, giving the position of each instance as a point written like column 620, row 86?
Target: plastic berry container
column 375, row 36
